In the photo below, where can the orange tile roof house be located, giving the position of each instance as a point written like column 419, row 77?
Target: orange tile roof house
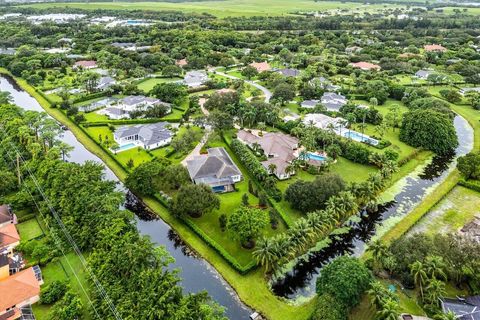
column 9, row 238
column 85, row 64
column 261, row 66
column 365, row 65
column 434, row 48
column 18, row 290
column 181, row 62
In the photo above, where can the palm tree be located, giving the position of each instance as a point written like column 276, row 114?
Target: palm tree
column 272, row 167
column 435, row 291
column 388, row 168
column 378, row 250
column 434, row 267
column 377, row 294
column 447, row 316
column 266, row 253
column 389, row 310
column 290, row 169
column 65, row 149
column 417, row 270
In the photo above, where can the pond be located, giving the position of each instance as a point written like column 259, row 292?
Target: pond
column 196, row 274
column 406, row 194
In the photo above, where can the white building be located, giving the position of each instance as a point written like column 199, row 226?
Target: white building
column 148, row 136
column 324, row 122
column 195, row 79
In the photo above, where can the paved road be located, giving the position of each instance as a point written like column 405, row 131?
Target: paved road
column 267, row 93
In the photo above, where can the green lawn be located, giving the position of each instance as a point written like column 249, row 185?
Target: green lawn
column 95, row 117
column 227, row 8
column 148, row 84
column 29, row 229
column 138, row 155
column 458, row 208
column 96, row 132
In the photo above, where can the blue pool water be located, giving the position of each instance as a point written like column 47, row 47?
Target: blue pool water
column 360, row 137
column 313, row 156
column 126, row 147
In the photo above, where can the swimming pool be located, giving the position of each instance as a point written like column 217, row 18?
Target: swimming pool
column 314, row 156
column 357, row 136
column 125, row 147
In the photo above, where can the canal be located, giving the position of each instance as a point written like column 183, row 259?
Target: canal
column 195, row 273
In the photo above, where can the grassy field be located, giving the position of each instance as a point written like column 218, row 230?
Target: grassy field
column 29, row 229
column 225, row 8
column 148, row 84
column 453, row 212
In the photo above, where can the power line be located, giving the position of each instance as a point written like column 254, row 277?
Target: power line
column 69, row 238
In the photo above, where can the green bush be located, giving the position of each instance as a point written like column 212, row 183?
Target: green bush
column 327, row 308
column 53, row 292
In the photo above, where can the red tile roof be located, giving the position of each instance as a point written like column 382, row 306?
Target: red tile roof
column 261, row 66
column 18, row 288
column 86, row 63
column 365, row 65
column 181, row 62
column 8, row 235
column 434, row 47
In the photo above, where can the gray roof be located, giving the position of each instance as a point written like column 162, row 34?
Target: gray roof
column 115, row 111
column 216, row 168
column 123, row 44
column 134, row 100
column 148, row 134
column 423, row 73
column 105, row 82
column 7, row 51
column 464, row 309
column 193, row 77
column 289, row 72
column 310, row 103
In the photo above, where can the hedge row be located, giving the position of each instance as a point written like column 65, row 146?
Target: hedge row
column 89, row 97
column 473, row 185
column 411, row 156
column 128, row 121
column 26, row 217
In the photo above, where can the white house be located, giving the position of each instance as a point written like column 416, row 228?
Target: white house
column 333, row 101
column 324, row 122
column 148, row 136
column 195, row 79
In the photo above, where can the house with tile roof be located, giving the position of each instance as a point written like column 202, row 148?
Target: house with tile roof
column 333, row 101
column 280, row 149
column 195, row 78
column 464, row 308
column 148, row 136
column 323, row 121
column 261, row 66
column 434, row 48
column 17, row 291
column 85, row 64
column 215, row 169
column 366, row 66
column 9, row 239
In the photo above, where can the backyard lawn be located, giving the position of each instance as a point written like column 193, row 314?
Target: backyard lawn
column 148, row 84
column 29, row 229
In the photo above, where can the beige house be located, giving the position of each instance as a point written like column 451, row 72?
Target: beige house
column 278, row 147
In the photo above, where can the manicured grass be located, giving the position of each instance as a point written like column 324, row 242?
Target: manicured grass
column 29, row 229
column 148, row 84
column 227, row 8
column 458, row 208
column 95, row 117
column 96, row 132
column 138, row 155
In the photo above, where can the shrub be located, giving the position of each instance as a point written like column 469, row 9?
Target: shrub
column 53, row 292
column 327, row 308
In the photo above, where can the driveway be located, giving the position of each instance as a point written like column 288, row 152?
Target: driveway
column 267, row 93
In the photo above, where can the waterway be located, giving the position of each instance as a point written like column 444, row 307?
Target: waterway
column 195, row 273
column 398, row 201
